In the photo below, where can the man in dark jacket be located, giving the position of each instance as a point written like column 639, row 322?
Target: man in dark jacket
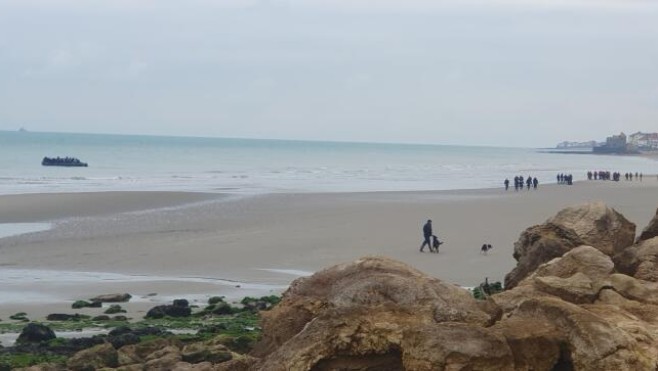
column 427, row 234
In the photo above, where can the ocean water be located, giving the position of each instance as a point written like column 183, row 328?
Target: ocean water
column 245, row 166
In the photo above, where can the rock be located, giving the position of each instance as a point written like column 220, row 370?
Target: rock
column 184, row 366
column 163, row 359
column 650, row 231
column 589, row 342
column 138, row 353
column 94, row 358
column 538, row 245
column 583, row 259
column 180, row 308
column 535, row 345
column 243, row 363
column 78, row 304
column 206, row 351
column 598, row 226
column 360, row 312
column 168, row 310
column 35, row 333
column 124, row 335
column 111, row 298
column 102, row 317
column 634, row 289
column 215, row 300
column 576, row 289
column 114, row 309
column 640, row 260
column 455, row 346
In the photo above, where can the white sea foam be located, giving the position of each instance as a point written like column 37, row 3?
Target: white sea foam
column 15, row 229
column 292, row 272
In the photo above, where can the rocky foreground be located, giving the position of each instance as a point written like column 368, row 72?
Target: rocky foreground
column 583, row 296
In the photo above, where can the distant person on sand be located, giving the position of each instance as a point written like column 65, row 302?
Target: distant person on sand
column 427, row 234
column 506, row 184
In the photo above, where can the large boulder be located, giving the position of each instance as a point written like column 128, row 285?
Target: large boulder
column 35, row 333
column 180, row 308
column 211, row 351
column 538, row 245
column 592, row 224
column 598, row 226
column 455, row 346
column 640, row 260
column 583, row 259
column 576, row 277
column 138, row 353
column 111, row 298
column 359, row 313
column 100, row 356
column 574, row 337
column 163, row 359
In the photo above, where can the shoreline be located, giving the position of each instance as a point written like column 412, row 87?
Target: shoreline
column 265, row 239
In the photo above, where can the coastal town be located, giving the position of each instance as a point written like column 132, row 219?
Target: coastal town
column 635, row 143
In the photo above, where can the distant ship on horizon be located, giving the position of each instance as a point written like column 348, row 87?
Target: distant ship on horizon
column 22, row 130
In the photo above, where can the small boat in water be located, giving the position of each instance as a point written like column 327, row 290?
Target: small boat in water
column 62, row 161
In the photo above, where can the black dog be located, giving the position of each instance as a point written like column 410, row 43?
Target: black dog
column 435, row 244
column 485, row 248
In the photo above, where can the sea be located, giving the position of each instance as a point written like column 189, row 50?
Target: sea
column 254, row 166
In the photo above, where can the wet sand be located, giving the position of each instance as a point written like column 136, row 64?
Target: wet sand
column 195, row 245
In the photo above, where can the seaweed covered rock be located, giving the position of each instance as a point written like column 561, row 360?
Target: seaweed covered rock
column 111, row 298
column 35, row 333
column 179, row 308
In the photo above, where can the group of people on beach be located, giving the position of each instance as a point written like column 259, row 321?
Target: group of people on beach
column 629, row 176
column 519, row 182
column 615, row 176
column 564, row 179
column 603, row 175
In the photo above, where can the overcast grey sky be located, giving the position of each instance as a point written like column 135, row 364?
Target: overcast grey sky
column 505, row 73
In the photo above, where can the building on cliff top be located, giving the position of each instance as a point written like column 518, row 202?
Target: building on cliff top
column 614, row 144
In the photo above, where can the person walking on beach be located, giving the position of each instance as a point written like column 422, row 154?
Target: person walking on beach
column 427, row 234
column 506, row 184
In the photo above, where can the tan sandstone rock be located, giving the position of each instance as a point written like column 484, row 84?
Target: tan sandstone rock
column 163, row 359
column 455, row 346
column 640, row 260
column 583, row 259
column 538, row 245
column 578, row 289
column 589, row 342
column 598, row 226
column 359, row 312
column 94, row 358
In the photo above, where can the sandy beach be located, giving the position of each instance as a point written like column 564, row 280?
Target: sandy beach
column 163, row 245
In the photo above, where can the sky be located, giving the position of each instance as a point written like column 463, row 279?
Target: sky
column 513, row 73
